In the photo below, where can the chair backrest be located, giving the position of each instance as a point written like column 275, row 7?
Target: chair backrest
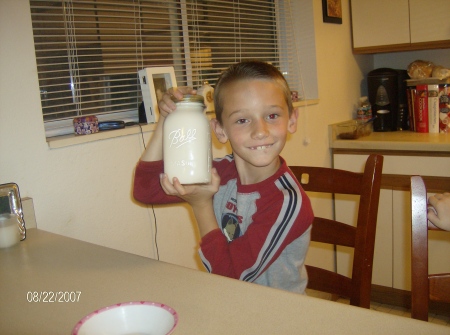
column 425, row 287
column 360, row 237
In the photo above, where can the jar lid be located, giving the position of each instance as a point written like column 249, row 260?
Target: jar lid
column 190, row 98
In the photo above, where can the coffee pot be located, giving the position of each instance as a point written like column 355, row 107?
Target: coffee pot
column 387, row 95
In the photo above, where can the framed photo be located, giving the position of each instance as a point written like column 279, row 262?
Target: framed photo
column 332, row 11
column 155, row 81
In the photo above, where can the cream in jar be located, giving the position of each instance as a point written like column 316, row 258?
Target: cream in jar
column 187, row 142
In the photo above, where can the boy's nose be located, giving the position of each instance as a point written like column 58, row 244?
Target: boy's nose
column 260, row 130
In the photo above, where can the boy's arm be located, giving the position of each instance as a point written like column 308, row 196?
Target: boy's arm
column 200, row 197
column 206, row 220
column 153, row 152
column 147, row 188
column 276, row 224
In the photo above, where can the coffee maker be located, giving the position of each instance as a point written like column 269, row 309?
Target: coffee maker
column 387, row 95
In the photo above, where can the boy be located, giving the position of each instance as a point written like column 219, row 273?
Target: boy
column 254, row 218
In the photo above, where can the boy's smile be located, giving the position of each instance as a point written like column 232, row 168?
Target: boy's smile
column 261, row 147
column 256, row 121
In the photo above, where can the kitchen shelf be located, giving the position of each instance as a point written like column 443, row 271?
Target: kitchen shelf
column 393, row 141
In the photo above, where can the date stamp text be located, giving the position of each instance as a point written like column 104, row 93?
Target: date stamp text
column 53, row 296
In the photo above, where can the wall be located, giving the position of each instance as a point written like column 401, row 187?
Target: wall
column 84, row 191
column 340, row 80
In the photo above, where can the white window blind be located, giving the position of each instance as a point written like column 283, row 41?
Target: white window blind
column 89, row 52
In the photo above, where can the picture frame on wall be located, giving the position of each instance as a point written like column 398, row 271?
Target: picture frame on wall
column 332, row 11
column 154, row 82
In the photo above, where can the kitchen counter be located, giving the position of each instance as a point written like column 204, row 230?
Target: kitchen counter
column 406, row 154
column 206, row 303
column 393, row 141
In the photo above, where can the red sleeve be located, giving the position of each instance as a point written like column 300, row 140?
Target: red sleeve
column 252, row 253
column 147, row 188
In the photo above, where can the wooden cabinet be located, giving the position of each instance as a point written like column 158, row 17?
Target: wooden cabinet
column 400, row 25
column 376, row 23
column 392, row 259
column 429, row 20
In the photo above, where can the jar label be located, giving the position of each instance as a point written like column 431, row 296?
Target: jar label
column 177, row 139
column 184, row 163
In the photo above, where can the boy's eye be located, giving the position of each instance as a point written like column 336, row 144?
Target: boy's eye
column 240, row 121
column 272, row 116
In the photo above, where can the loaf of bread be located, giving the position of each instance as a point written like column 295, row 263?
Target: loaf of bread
column 420, row 69
column 440, row 72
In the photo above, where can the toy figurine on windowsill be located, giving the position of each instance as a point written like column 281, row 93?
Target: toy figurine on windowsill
column 207, row 91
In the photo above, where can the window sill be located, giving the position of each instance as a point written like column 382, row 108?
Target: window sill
column 72, row 139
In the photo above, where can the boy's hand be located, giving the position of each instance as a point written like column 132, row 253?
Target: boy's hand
column 197, row 195
column 166, row 105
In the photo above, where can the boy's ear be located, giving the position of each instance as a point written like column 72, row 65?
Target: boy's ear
column 292, row 125
column 218, row 130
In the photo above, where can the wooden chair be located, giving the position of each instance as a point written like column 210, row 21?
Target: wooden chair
column 361, row 238
column 424, row 287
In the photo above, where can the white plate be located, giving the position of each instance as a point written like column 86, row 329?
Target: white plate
column 129, row 318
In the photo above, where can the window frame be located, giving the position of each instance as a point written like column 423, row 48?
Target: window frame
column 54, row 128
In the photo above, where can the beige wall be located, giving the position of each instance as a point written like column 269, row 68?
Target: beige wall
column 340, row 77
column 84, row 191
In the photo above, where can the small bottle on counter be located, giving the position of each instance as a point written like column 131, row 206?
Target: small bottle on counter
column 364, row 111
column 187, row 142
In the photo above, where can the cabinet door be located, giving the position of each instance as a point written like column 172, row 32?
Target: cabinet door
column 429, row 20
column 381, row 22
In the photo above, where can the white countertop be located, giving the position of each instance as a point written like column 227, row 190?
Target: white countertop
column 206, row 304
column 393, row 141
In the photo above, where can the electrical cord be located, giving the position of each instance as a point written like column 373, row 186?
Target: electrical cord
column 153, row 209
column 156, row 234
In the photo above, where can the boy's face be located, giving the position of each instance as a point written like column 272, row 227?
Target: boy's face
column 256, row 121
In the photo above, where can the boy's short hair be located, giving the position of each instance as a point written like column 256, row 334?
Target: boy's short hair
column 248, row 70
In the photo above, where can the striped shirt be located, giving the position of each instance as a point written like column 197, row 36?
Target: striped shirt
column 264, row 228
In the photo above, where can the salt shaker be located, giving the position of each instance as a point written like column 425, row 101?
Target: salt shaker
column 187, row 142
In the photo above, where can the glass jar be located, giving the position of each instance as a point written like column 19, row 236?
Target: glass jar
column 187, row 142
